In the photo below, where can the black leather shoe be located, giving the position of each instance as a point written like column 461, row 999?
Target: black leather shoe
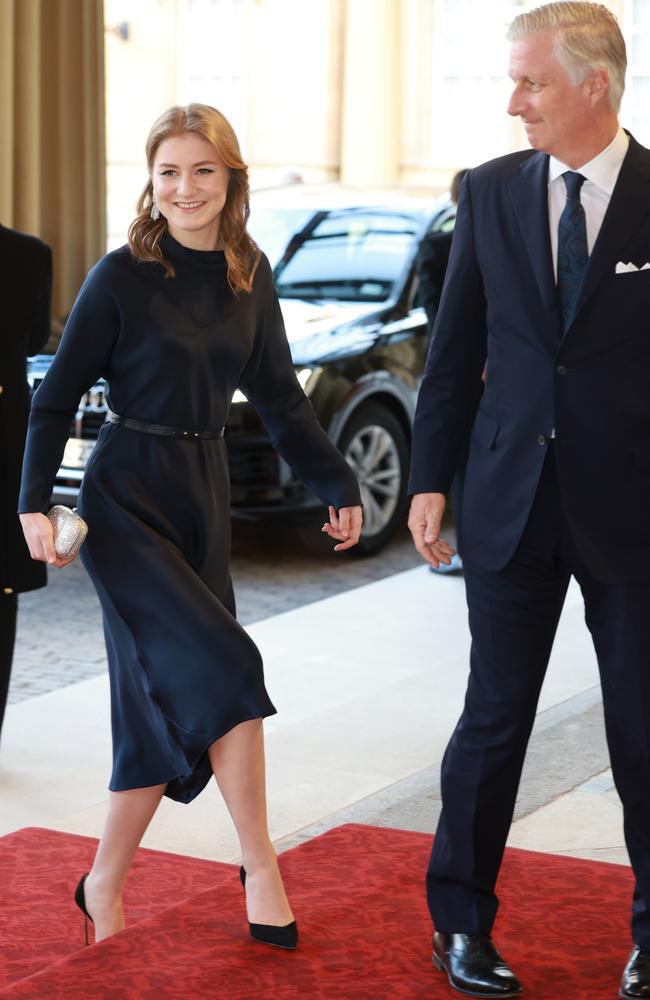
column 474, row 966
column 635, row 981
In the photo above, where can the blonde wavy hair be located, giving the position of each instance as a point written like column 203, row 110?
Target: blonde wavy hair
column 588, row 38
column 145, row 233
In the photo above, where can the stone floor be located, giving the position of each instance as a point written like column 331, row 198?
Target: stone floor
column 60, row 638
column 366, row 661
column 368, row 682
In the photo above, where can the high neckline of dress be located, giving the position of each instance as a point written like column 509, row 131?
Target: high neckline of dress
column 203, row 258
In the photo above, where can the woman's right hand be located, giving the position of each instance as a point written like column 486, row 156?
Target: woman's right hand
column 39, row 535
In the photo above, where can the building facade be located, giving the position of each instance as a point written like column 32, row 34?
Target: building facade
column 366, row 92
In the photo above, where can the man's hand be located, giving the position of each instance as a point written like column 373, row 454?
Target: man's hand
column 425, row 518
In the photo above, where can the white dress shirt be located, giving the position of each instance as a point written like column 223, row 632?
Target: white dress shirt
column 601, row 175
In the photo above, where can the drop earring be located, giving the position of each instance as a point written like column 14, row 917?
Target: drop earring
column 155, row 211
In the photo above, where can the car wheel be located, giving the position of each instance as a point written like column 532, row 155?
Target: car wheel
column 374, row 444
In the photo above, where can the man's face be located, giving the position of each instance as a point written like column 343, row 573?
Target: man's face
column 556, row 113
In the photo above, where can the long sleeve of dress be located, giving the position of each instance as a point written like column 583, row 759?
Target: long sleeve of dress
column 82, row 357
column 269, row 382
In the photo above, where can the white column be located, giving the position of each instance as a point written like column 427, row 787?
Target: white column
column 370, row 144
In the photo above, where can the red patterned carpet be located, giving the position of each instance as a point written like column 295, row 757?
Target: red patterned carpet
column 358, row 893
column 38, row 872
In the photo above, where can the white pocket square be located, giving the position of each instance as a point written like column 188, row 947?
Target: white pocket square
column 622, row 268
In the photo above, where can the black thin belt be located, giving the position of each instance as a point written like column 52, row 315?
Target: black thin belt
column 173, row 432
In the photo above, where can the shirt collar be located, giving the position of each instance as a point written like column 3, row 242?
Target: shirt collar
column 603, row 170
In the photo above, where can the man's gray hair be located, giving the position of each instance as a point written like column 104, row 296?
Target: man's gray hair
column 588, row 38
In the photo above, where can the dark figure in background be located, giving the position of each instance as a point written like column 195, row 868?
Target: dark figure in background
column 433, row 257
column 431, row 264
column 549, row 282
column 25, row 291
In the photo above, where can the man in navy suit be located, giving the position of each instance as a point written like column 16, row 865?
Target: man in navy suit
column 548, row 285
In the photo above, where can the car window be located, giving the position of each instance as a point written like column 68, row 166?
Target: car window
column 444, row 220
column 350, row 256
column 273, row 227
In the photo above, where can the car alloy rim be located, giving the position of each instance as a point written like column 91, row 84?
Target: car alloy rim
column 373, row 455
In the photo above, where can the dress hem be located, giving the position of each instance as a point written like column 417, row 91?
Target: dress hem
column 177, row 777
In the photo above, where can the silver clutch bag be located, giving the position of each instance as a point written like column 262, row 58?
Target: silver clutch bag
column 70, row 530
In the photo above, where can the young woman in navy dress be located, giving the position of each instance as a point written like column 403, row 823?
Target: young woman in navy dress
column 175, row 322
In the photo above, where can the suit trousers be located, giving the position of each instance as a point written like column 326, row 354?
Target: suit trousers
column 8, row 611
column 513, row 616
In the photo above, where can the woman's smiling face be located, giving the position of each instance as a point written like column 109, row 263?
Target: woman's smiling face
column 190, row 186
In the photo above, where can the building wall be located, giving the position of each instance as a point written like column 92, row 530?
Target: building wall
column 376, row 92
column 140, row 83
column 295, row 89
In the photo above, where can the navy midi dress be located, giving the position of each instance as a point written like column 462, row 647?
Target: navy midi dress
column 173, row 350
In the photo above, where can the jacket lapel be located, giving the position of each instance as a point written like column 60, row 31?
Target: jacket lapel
column 529, row 195
column 627, row 211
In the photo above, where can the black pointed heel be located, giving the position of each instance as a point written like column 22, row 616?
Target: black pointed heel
column 279, row 937
column 80, row 900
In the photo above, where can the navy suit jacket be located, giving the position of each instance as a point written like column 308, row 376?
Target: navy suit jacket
column 592, row 384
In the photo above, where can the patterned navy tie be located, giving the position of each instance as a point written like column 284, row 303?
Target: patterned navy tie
column 572, row 249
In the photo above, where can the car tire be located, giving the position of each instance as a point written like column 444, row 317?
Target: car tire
column 374, row 443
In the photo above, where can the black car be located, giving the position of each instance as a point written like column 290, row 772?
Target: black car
column 358, row 338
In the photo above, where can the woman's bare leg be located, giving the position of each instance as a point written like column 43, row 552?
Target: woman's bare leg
column 237, row 761
column 129, row 815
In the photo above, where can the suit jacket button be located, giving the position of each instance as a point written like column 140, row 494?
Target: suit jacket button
column 7, row 590
column 2, row 389
column 561, row 370
column 542, row 439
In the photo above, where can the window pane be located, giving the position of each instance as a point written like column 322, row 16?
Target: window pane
column 470, row 80
column 638, row 102
column 640, row 51
column 641, row 12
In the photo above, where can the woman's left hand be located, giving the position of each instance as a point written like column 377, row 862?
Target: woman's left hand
column 344, row 526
